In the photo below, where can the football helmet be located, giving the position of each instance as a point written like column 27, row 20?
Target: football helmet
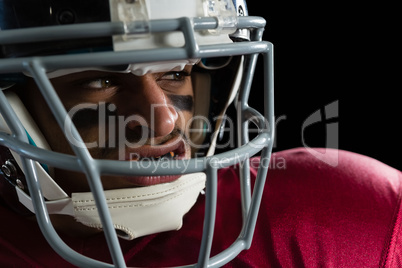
column 48, row 39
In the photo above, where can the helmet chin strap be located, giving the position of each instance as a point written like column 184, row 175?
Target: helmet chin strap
column 135, row 211
column 146, row 210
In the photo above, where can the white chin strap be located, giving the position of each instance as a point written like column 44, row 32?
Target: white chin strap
column 141, row 211
column 135, row 211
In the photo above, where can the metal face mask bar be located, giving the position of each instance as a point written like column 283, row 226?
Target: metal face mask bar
column 93, row 168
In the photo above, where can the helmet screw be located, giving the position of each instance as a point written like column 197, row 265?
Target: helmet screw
column 66, row 17
column 20, row 184
column 9, row 169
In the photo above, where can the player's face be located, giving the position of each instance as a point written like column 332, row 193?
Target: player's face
column 120, row 117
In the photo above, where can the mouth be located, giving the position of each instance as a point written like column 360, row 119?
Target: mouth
column 172, row 151
column 172, row 155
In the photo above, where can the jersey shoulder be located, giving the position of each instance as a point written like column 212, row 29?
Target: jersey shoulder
column 330, row 206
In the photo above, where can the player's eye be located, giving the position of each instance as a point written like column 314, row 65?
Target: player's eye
column 175, row 76
column 100, row 83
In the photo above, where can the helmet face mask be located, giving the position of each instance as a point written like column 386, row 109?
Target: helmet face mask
column 124, row 115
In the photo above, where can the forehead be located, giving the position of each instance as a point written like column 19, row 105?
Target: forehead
column 137, row 68
column 85, row 75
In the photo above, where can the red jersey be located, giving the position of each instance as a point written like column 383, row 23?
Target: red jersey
column 313, row 214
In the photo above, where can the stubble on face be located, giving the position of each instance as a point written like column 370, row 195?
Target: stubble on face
column 89, row 126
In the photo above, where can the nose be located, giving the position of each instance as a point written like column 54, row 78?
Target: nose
column 151, row 103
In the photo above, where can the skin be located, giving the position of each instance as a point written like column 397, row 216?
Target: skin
column 123, row 95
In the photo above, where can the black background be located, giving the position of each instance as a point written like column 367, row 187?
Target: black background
column 334, row 52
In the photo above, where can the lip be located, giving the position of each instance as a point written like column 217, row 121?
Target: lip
column 149, row 151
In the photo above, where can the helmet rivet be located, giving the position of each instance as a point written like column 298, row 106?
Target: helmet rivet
column 9, row 169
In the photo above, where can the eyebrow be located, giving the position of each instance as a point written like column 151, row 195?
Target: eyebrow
column 182, row 102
